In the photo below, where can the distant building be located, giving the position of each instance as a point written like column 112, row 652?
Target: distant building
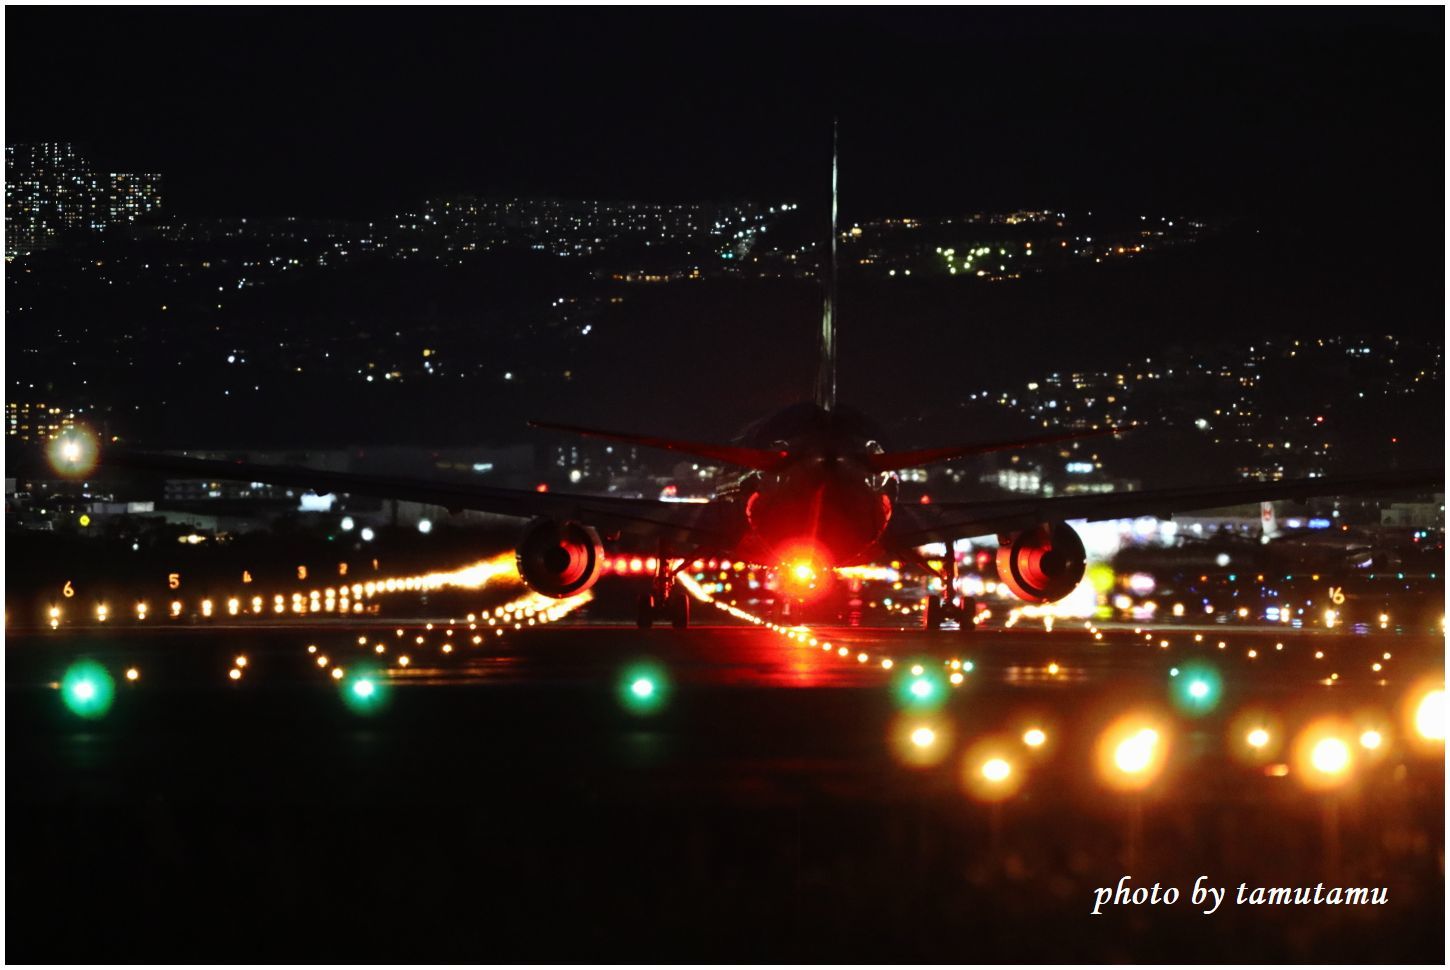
column 25, row 421
column 133, row 196
column 51, row 190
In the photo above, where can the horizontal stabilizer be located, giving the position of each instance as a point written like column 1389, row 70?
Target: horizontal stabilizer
column 894, row 460
column 760, row 459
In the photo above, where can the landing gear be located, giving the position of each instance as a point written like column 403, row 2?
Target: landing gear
column 646, row 615
column 940, row 608
column 678, row 607
column 665, row 600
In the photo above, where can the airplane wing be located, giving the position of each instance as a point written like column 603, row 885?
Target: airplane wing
column 679, row 522
column 913, row 525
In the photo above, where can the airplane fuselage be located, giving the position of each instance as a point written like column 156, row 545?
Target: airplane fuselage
column 828, row 510
column 824, row 504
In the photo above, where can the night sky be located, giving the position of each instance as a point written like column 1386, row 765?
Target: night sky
column 1298, row 114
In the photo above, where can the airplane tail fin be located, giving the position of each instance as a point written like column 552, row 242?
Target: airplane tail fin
column 894, row 460
column 1268, row 522
column 760, row 459
column 826, row 363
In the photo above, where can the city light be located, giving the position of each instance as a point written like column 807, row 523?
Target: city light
column 72, row 454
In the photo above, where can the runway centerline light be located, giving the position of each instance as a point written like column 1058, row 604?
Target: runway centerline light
column 1034, row 738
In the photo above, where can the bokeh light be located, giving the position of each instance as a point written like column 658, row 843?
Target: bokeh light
column 1323, row 754
column 1197, row 689
column 365, row 689
column 920, row 740
column 991, row 770
column 73, row 452
column 1133, row 750
column 643, row 687
column 87, row 689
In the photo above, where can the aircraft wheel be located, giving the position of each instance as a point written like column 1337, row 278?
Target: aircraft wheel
column 966, row 613
column 646, row 615
column 934, row 612
column 679, row 606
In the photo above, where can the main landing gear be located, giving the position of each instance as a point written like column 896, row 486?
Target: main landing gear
column 944, row 607
column 665, row 600
column 939, row 608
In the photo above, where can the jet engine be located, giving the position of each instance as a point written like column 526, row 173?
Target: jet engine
column 559, row 559
column 1042, row 564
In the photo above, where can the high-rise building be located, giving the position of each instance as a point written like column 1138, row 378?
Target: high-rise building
column 50, row 190
column 133, row 196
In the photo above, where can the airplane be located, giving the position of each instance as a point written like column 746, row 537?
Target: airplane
column 818, row 491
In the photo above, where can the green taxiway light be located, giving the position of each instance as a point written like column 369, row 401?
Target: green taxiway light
column 1197, row 689
column 643, row 688
column 87, row 689
column 922, row 687
column 365, row 691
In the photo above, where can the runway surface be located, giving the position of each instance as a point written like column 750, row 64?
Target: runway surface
column 526, row 799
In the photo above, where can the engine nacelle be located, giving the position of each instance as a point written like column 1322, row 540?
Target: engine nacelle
column 559, row 559
column 1042, row 564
